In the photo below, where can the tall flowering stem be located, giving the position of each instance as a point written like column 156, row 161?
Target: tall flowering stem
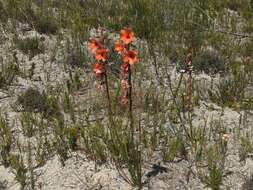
column 98, row 48
column 108, row 95
column 130, row 91
column 127, row 76
column 129, row 57
column 190, row 86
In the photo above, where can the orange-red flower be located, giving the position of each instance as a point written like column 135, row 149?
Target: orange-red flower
column 102, row 54
column 119, row 47
column 99, row 69
column 127, row 35
column 125, row 68
column 94, row 45
column 100, row 87
column 124, row 99
column 124, row 84
column 130, row 57
column 226, row 137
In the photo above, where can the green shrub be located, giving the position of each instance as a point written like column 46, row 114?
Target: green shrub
column 19, row 170
column 208, row 62
column 24, row 11
column 20, row 10
column 73, row 136
column 230, row 91
column 30, row 46
column 248, row 185
column 245, row 148
column 46, row 24
column 76, row 58
column 8, row 72
column 3, row 13
column 215, row 159
column 3, row 184
column 34, row 101
column 60, row 143
column 6, row 140
column 28, row 123
column 176, row 148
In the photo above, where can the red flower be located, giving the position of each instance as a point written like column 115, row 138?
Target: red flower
column 130, row 57
column 127, row 35
column 100, row 87
column 94, row 45
column 125, row 68
column 124, row 99
column 124, row 84
column 99, row 69
column 101, row 54
column 119, row 47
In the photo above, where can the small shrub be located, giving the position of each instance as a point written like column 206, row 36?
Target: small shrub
column 213, row 176
column 34, row 101
column 245, row 148
column 6, row 140
column 73, row 137
column 19, row 10
column 19, row 170
column 30, row 46
column 214, row 180
column 60, row 140
column 76, row 58
column 46, row 24
column 28, row 123
column 248, row 185
column 3, row 13
column 30, row 167
column 8, row 72
column 92, row 137
column 44, row 148
column 176, row 148
column 233, row 5
column 208, row 62
column 230, row 91
column 3, row 185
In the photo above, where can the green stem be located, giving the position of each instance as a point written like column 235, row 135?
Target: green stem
column 130, row 100
column 108, row 98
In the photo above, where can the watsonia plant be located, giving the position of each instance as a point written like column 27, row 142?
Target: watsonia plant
column 6, row 140
column 129, row 57
column 120, row 142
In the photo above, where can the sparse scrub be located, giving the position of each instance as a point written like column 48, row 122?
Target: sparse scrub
column 30, row 46
column 8, row 73
column 3, row 185
column 76, row 58
column 209, row 62
column 215, row 157
column 230, row 91
column 248, row 185
column 246, row 148
column 28, row 123
column 157, row 93
column 6, row 141
column 45, row 23
column 60, row 142
column 32, row 100
column 19, row 170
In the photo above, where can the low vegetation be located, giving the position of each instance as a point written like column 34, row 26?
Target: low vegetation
column 128, row 84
